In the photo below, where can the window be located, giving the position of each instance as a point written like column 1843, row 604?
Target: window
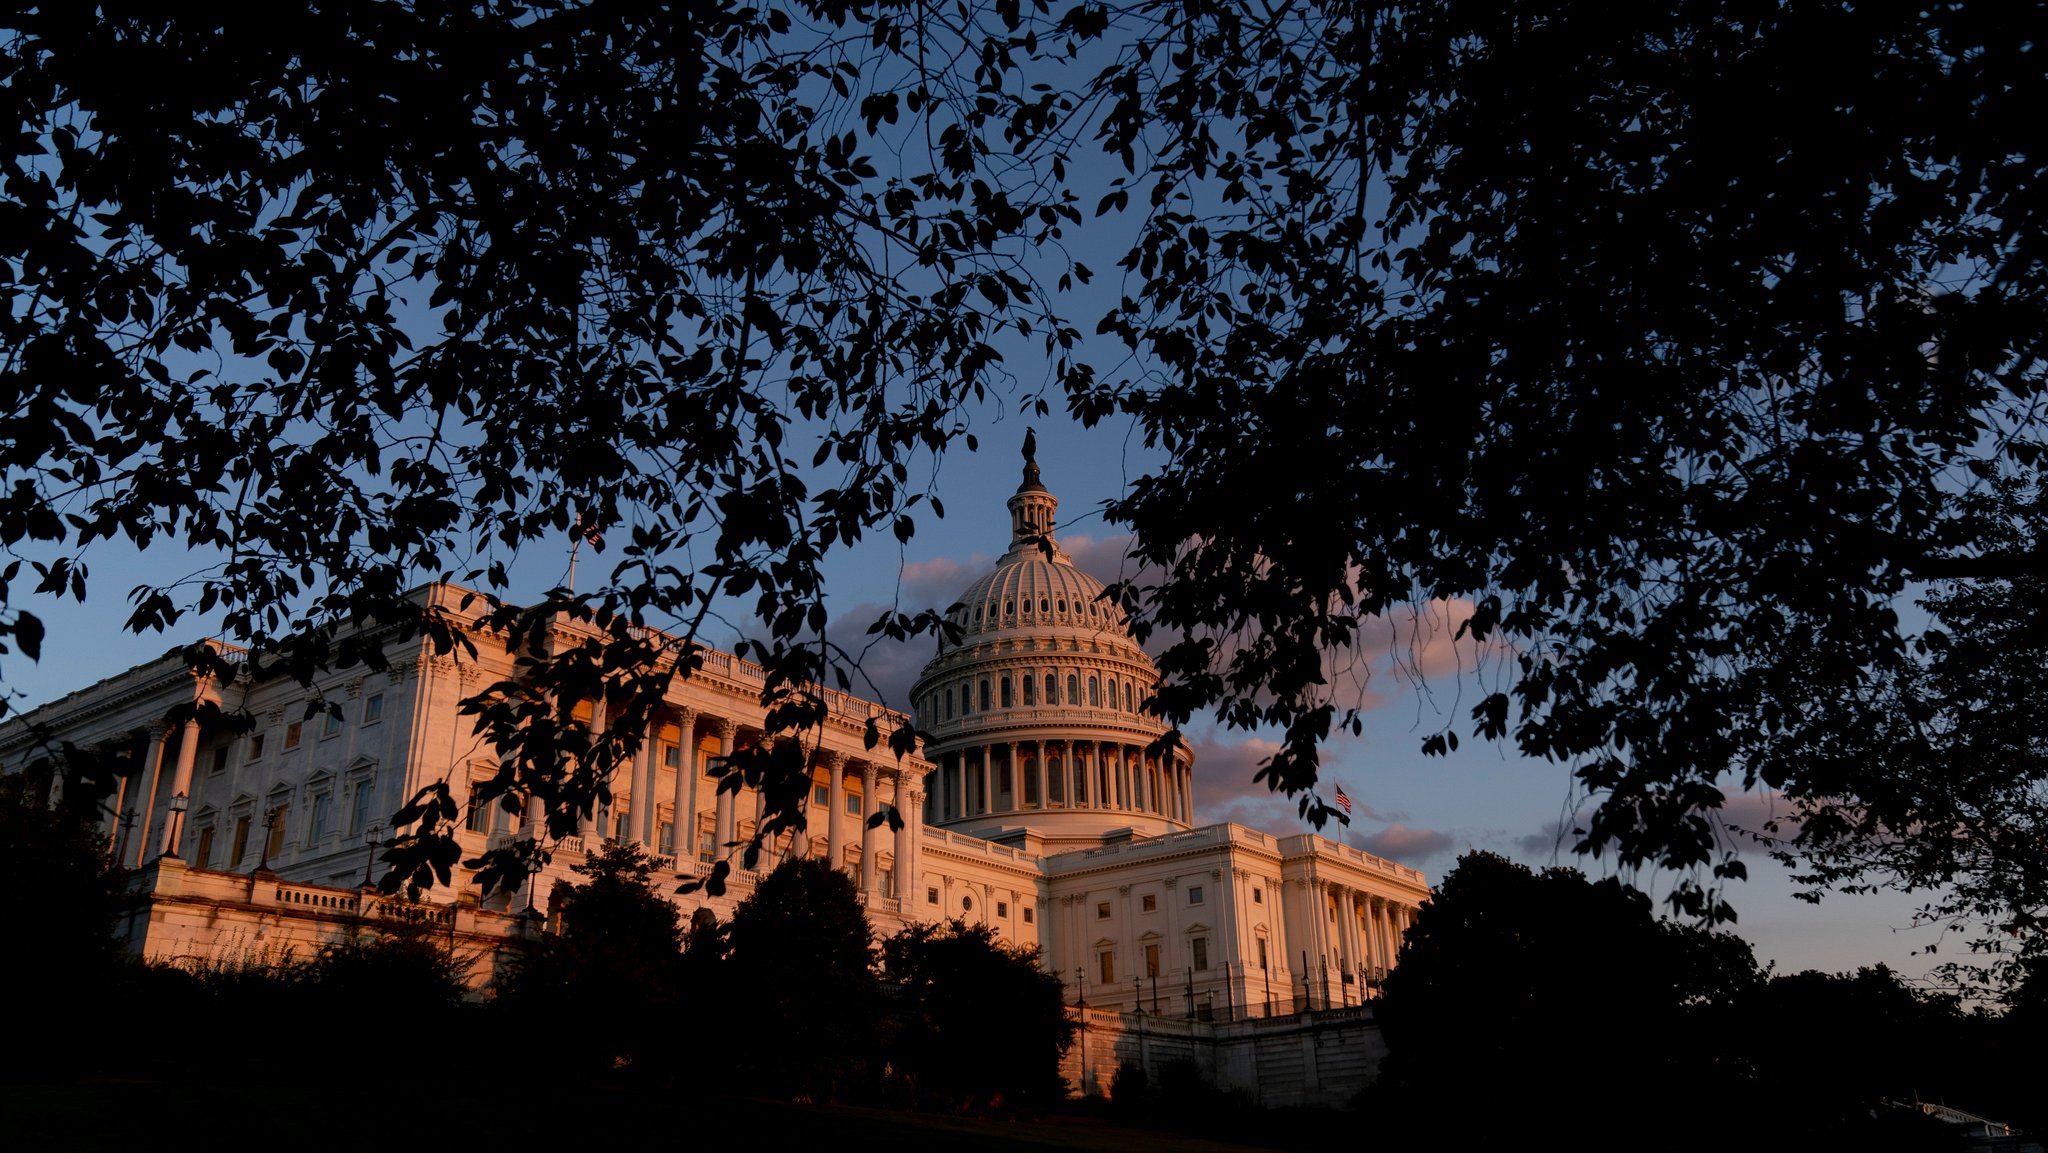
column 1007, row 702
column 280, row 816
column 220, row 759
column 1128, row 706
column 1002, row 908
column 1194, row 894
column 1073, row 688
column 291, row 734
column 984, row 694
column 1102, row 910
column 821, row 795
column 204, row 853
column 966, row 700
column 886, row 878
column 331, row 726
column 479, row 812
column 1152, row 958
column 1108, row 969
column 373, row 708
column 852, row 803
column 707, row 846
column 256, row 747
column 1095, row 692
column 668, row 838
column 1027, row 914
column 1258, row 895
column 240, row 845
column 359, row 808
column 967, row 904
column 1149, row 903
column 672, row 755
column 316, row 820
column 1199, row 946
column 931, row 896
column 1030, row 691
column 1052, row 689
column 1044, row 605
column 949, row 704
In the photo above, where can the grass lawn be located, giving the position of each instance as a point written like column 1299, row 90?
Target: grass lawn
column 166, row 1115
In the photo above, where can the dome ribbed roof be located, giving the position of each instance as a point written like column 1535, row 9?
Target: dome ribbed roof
column 1034, row 592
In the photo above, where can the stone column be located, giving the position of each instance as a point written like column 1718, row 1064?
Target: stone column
column 684, row 803
column 869, row 805
column 181, row 787
column 153, row 764
column 641, row 812
column 835, row 820
column 722, row 826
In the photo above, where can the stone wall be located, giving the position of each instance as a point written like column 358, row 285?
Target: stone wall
column 1321, row 1058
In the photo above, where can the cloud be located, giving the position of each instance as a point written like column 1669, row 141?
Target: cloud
column 1225, row 791
column 936, row 583
column 1741, row 817
column 1398, row 842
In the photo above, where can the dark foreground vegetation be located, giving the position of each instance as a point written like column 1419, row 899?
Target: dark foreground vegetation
column 1515, row 991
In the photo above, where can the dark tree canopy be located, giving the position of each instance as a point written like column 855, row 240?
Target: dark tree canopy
column 1676, row 349
column 979, row 1023
column 1667, row 344
column 798, row 1004
column 609, row 981
column 1511, row 981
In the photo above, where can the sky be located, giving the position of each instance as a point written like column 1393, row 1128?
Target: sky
column 1421, row 811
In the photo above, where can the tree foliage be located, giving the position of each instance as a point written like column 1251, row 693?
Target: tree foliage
column 979, row 1023
column 1676, row 405
column 1665, row 346
column 798, row 1004
column 372, row 294
column 610, row 981
column 1513, row 980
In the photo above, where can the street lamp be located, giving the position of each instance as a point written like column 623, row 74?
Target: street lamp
column 371, row 836
column 179, row 803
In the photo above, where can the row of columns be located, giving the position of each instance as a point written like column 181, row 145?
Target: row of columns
column 1117, row 776
column 1368, row 928
column 643, row 827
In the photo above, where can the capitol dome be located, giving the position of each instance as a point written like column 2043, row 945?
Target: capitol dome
column 1034, row 713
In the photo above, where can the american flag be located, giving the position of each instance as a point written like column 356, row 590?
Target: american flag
column 1343, row 800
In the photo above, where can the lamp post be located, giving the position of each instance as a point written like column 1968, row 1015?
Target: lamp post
column 179, row 803
column 371, row 836
column 269, row 823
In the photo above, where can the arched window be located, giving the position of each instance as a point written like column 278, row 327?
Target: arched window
column 949, row 704
column 966, row 699
column 984, row 694
column 1095, row 692
column 1044, row 605
column 1030, row 689
column 1073, row 689
column 1052, row 689
column 1027, row 606
column 1062, row 604
column 1007, row 702
column 1009, row 608
column 1129, row 706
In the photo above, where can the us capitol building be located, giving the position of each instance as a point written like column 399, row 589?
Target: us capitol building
column 1033, row 806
